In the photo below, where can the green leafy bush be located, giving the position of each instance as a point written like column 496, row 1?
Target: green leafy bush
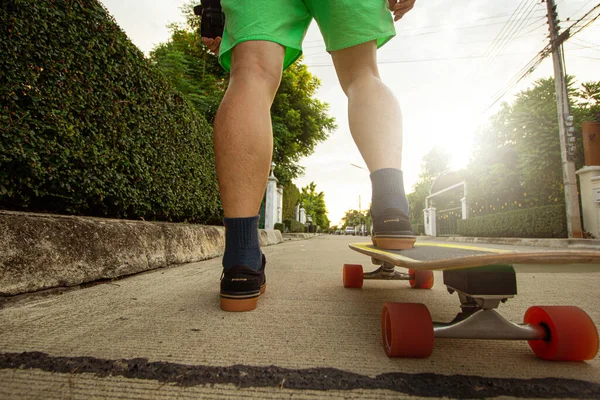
column 293, row 226
column 279, row 227
column 539, row 222
column 89, row 126
column 297, row 227
column 418, row 229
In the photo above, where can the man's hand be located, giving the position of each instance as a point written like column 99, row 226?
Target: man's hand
column 400, row 7
column 212, row 44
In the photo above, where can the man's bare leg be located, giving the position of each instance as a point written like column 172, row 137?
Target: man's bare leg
column 243, row 132
column 243, row 151
column 376, row 126
column 373, row 110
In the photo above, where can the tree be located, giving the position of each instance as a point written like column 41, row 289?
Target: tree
column 291, row 197
column 314, row 205
column 435, row 163
column 517, row 161
column 300, row 121
column 353, row 218
column 192, row 69
column 492, row 175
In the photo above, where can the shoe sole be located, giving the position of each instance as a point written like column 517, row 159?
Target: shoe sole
column 394, row 242
column 240, row 304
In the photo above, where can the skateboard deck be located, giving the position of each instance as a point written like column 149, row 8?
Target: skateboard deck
column 443, row 256
column 483, row 278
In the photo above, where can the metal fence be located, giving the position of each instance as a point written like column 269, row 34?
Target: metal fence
column 446, row 221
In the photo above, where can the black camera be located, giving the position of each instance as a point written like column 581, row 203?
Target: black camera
column 213, row 18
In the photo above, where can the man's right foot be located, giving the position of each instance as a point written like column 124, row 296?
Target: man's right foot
column 241, row 286
column 392, row 230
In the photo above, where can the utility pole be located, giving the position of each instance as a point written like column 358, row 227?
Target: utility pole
column 565, row 125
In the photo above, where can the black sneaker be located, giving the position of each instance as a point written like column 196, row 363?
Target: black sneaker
column 392, row 230
column 241, row 286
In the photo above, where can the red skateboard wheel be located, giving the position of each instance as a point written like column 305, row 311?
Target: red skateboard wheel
column 572, row 335
column 421, row 279
column 353, row 276
column 407, row 330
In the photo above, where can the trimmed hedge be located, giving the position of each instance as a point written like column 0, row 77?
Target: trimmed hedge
column 293, row 225
column 89, row 126
column 418, row 229
column 280, row 227
column 539, row 222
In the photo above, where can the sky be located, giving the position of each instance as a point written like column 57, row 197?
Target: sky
column 447, row 64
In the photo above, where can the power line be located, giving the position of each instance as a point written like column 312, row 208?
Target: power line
column 441, row 25
column 541, row 55
column 503, row 39
column 580, row 8
column 510, row 37
column 588, row 23
column 506, row 26
column 401, row 33
column 418, row 60
column 586, row 42
column 466, row 27
column 523, row 72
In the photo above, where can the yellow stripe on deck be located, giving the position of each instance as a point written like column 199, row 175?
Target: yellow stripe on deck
column 396, row 254
column 460, row 246
column 388, row 253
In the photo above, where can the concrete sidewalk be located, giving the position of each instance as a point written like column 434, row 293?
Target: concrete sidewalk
column 161, row 334
column 592, row 244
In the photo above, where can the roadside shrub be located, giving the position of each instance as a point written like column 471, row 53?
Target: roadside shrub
column 293, row 226
column 297, row 227
column 88, row 126
column 279, row 227
column 539, row 222
column 418, row 229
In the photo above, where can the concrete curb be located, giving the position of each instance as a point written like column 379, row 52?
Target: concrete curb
column 41, row 251
column 553, row 243
column 300, row 235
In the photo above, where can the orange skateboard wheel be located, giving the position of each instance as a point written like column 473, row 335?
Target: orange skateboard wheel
column 407, row 330
column 421, row 279
column 353, row 276
column 572, row 335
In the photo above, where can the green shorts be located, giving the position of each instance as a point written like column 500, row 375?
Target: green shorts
column 343, row 23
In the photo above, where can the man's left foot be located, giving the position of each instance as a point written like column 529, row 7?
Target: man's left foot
column 392, row 231
column 241, row 286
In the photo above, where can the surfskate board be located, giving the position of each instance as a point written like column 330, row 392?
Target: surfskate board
column 483, row 277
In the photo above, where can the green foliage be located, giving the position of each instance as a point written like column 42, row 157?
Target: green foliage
column 291, row 197
column 314, row 205
column 89, row 126
column 279, row 227
column 299, row 120
column 195, row 72
column 538, row 222
column 355, row 218
column 516, row 162
column 416, row 200
column 435, row 163
column 293, row 225
column 418, row 229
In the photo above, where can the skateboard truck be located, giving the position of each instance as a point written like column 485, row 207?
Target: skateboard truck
column 387, row 271
column 354, row 276
column 480, row 291
column 563, row 333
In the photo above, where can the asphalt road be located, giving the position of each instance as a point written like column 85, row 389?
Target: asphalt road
column 161, row 334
